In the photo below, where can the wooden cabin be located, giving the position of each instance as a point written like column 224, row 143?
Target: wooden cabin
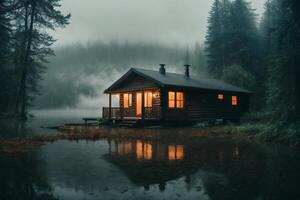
column 159, row 96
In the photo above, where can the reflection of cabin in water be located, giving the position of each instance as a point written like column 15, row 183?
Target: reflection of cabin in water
column 147, row 95
column 151, row 162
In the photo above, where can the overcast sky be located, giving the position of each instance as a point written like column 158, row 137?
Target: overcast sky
column 161, row 21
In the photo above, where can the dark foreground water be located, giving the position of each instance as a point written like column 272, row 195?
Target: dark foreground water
column 202, row 168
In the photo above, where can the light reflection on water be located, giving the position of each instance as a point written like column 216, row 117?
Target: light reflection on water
column 152, row 169
column 201, row 168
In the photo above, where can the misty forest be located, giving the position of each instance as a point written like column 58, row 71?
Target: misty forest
column 208, row 103
column 261, row 55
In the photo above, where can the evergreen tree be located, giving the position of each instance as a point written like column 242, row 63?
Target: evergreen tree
column 6, row 72
column 199, row 59
column 284, row 65
column 33, row 18
column 213, row 40
column 243, row 37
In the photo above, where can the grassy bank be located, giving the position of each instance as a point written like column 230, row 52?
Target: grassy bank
column 259, row 126
column 252, row 128
column 74, row 133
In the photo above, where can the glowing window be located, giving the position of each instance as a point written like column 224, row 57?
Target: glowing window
column 234, row 100
column 171, row 96
column 148, row 96
column 175, row 152
column 220, row 96
column 172, row 152
column 127, row 100
column 179, row 99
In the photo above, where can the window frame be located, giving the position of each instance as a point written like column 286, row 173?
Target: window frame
column 234, row 100
column 175, row 101
column 127, row 101
column 180, row 101
column 220, row 96
column 148, row 95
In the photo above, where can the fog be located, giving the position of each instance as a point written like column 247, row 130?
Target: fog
column 79, row 73
column 160, row 21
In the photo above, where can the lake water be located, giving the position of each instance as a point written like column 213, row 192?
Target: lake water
column 202, row 168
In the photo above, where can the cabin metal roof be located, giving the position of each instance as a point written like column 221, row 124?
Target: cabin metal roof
column 179, row 80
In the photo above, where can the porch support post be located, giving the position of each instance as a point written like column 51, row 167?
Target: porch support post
column 109, row 110
column 143, row 108
column 121, row 105
column 163, row 101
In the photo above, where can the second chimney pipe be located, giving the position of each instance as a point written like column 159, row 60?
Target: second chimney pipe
column 187, row 71
column 162, row 69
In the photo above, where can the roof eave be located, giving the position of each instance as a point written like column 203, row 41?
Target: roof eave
column 244, row 92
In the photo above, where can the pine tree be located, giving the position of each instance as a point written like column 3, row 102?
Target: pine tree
column 199, row 59
column 218, row 37
column 5, row 53
column 243, row 37
column 284, row 67
column 33, row 18
column 213, row 40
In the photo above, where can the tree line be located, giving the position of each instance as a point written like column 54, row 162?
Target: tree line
column 25, row 45
column 85, row 70
column 261, row 56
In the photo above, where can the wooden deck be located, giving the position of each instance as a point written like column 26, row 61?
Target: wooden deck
column 118, row 113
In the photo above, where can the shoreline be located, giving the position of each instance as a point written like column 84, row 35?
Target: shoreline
column 16, row 146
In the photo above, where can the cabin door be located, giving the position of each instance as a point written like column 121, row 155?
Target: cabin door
column 138, row 104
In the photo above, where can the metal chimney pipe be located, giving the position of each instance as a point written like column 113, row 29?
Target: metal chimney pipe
column 187, row 71
column 162, row 69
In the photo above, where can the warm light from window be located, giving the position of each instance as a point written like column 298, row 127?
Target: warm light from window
column 179, row 152
column 139, row 150
column 127, row 100
column 147, row 151
column 172, row 153
column 171, row 96
column 148, row 99
column 130, row 99
column 220, row 96
column 156, row 95
column 128, row 148
column 234, row 100
column 143, row 150
column 179, row 99
column 175, row 152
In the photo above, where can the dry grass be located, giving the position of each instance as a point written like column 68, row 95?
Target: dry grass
column 22, row 145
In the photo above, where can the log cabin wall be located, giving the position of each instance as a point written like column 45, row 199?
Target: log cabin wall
column 201, row 104
column 204, row 104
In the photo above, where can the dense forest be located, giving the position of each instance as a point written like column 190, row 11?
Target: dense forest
column 262, row 55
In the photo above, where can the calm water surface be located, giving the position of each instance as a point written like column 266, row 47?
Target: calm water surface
column 203, row 168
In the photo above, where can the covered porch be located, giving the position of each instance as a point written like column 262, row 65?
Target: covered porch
column 134, row 105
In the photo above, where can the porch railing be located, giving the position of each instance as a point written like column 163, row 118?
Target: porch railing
column 117, row 113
